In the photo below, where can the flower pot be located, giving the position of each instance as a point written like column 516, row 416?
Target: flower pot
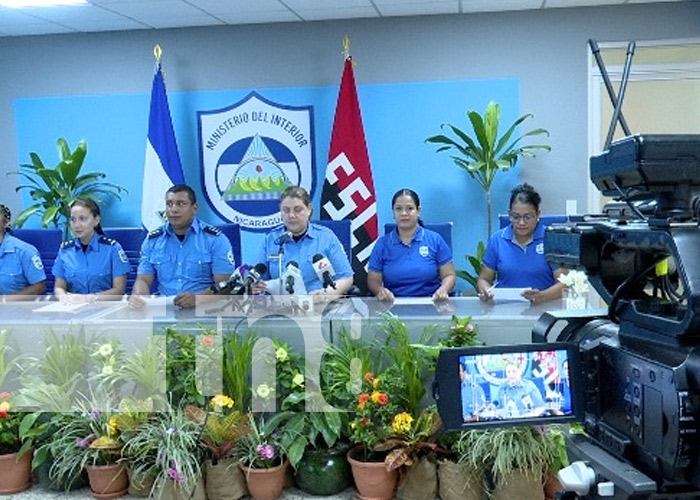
column 265, row 484
column 372, row 480
column 552, row 486
column 459, row 481
column 41, row 476
column 519, row 486
column 140, row 485
column 323, row 471
column 419, row 481
column 171, row 490
column 225, row 480
column 108, row 481
column 15, row 475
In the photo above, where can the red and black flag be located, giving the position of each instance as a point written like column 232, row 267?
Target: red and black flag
column 348, row 190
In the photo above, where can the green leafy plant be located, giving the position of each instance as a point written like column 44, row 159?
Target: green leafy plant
column 261, row 447
column 462, row 333
column 180, row 368
column 237, row 367
column 54, row 189
column 413, row 437
column 475, row 261
column 145, row 369
column 18, row 429
column 6, row 365
column 223, row 426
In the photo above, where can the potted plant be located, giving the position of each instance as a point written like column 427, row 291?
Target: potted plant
column 89, row 439
column 168, row 447
column 223, row 426
column 263, row 458
column 482, row 153
column 17, row 433
column 55, row 189
column 461, row 474
column 133, row 413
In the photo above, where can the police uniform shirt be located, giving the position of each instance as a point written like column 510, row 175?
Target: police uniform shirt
column 317, row 240
column 519, row 399
column 410, row 270
column 20, row 265
column 473, row 398
column 518, row 268
column 90, row 271
column 188, row 265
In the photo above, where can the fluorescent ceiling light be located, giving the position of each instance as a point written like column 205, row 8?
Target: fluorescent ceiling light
column 39, row 3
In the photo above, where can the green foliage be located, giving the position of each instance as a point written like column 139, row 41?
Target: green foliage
column 223, row 426
column 463, row 333
column 6, row 366
column 237, row 367
column 261, row 447
column 145, row 369
column 475, row 261
column 180, row 368
column 54, row 189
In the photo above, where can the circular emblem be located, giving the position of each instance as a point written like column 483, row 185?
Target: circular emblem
column 122, row 256
column 540, row 248
column 36, row 260
column 424, row 251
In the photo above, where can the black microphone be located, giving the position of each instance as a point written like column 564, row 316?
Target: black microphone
column 254, row 275
column 284, row 238
column 290, row 281
column 234, row 280
column 324, row 270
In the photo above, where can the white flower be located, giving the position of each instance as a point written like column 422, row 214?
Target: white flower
column 576, row 281
column 281, row 354
column 107, row 370
column 105, row 350
column 264, row 391
column 298, row 380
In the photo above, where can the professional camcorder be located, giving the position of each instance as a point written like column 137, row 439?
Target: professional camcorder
column 634, row 373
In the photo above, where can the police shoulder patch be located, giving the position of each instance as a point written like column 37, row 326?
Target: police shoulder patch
column 106, row 241
column 155, row 233
column 212, row 230
column 67, row 244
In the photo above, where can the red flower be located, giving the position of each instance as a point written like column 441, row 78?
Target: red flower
column 364, row 422
column 208, row 341
column 362, row 400
column 383, row 398
column 3, row 414
column 368, row 377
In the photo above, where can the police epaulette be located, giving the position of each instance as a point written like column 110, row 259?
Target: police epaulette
column 67, row 244
column 106, row 241
column 155, row 233
column 212, row 230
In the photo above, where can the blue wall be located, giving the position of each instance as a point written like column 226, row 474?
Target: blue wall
column 397, row 119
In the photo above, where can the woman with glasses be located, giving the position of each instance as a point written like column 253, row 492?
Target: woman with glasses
column 515, row 254
column 411, row 261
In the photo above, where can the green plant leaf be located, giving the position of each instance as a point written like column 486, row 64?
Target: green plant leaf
column 296, row 450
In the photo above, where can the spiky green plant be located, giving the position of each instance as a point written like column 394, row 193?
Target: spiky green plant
column 237, row 367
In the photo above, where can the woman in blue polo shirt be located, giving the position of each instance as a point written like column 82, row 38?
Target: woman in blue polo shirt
column 300, row 242
column 91, row 266
column 411, row 261
column 21, row 270
column 514, row 257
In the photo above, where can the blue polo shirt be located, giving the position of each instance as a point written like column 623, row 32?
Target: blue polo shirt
column 518, row 268
column 410, row 270
column 90, row 271
column 20, row 265
column 188, row 265
column 317, row 240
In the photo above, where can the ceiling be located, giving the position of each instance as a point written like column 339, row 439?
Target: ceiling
column 119, row 15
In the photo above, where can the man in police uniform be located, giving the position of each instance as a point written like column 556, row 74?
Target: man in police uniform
column 517, row 396
column 185, row 254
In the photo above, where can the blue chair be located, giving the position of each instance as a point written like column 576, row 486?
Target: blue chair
column 547, row 220
column 233, row 233
column 341, row 228
column 130, row 239
column 444, row 229
column 47, row 242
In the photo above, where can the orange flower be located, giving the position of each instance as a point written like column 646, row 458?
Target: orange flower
column 375, row 397
column 362, row 400
column 208, row 341
column 383, row 398
column 368, row 376
column 364, row 422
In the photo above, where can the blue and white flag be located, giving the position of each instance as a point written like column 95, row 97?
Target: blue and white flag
column 162, row 168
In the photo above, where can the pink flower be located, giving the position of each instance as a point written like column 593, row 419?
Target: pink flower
column 5, row 395
column 208, row 341
column 84, row 442
column 470, row 328
column 174, row 474
column 266, row 452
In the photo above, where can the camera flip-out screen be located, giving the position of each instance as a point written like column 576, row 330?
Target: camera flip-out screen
column 508, row 385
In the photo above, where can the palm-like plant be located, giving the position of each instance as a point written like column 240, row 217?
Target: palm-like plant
column 485, row 153
column 55, row 189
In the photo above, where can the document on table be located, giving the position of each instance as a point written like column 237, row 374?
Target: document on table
column 509, row 293
column 61, row 307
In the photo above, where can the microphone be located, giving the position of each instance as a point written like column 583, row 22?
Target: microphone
column 324, row 270
column 232, row 282
column 293, row 280
column 254, row 275
column 290, row 279
column 284, row 238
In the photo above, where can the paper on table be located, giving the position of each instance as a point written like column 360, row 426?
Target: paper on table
column 509, row 294
column 61, row 307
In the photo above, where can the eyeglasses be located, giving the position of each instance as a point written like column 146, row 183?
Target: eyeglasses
column 527, row 218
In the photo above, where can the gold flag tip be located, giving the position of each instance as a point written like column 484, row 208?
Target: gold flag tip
column 346, row 46
column 157, row 52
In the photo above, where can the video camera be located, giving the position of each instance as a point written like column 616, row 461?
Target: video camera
column 635, row 371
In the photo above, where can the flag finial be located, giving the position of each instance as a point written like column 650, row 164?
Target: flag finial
column 346, row 47
column 157, row 52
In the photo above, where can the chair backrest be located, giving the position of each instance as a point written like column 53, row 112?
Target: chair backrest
column 130, row 239
column 47, row 242
column 341, row 228
column 546, row 219
column 444, row 229
column 233, row 233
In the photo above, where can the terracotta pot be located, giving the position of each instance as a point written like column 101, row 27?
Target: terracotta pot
column 265, row 484
column 552, row 486
column 108, row 481
column 372, row 480
column 15, row 475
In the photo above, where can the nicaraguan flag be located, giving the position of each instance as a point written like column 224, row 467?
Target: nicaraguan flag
column 162, row 168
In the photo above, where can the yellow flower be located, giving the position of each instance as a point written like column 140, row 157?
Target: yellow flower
column 5, row 406
column 353, row 425
column 402, row 423
column 281, row 354
column 298, row 380
column 221, row 401
column 376, row 397
column 112, row 426
column 375, row 382
column 105, row 350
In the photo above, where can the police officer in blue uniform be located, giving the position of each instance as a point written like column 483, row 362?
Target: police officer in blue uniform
column 186, row 255
column 411, row 261
column 306, row 240
column 517, row 396
column 516, row 253
column 91, row 266
column 21, row 270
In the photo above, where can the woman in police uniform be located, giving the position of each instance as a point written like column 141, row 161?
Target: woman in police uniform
column 91, row 266
column 21, row 271
column 411, row 261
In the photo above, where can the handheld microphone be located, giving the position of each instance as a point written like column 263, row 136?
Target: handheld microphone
column 232, row 282
column 290, row 279
column 324, row 270
column 254, row 275
column 284, row 238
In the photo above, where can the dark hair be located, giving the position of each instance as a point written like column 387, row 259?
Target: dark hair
column 89, row 204
column 7, row 215
column 525, row 193
column 296, row 192
column 183, row 188
column 411, row 194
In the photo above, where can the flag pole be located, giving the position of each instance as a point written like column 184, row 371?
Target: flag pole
column 346, row 47
column 157, row 52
